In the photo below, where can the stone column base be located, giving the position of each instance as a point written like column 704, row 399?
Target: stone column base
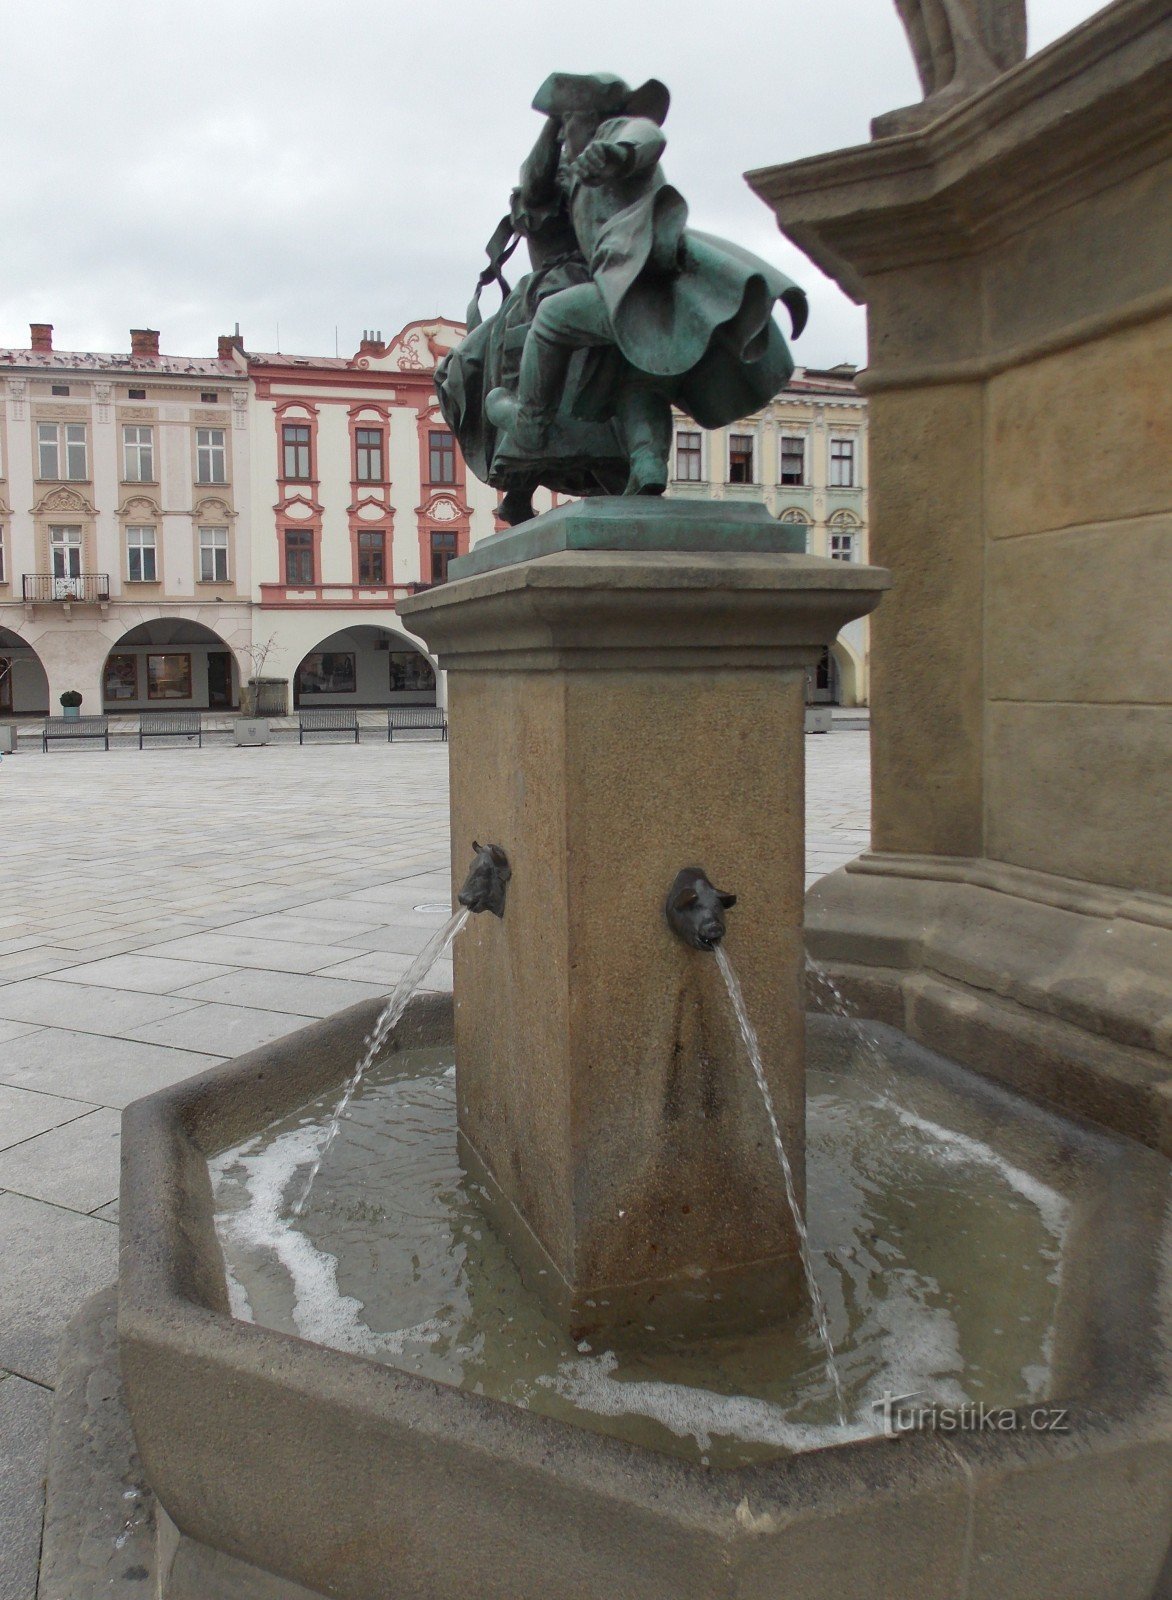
column 1060, row 989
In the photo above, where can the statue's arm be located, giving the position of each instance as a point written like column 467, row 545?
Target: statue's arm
column 538, row 182
column 620, row 149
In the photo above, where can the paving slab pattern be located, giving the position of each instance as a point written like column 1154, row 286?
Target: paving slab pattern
column 163, row 914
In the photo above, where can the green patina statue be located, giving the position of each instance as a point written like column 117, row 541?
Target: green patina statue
column 627, row 311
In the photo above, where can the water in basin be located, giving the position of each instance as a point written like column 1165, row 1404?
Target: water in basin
column 942, row 1215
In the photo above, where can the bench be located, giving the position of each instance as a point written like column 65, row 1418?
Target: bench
column 333, row 719
column 170, row 724
column 400, row 717
column 75, row 728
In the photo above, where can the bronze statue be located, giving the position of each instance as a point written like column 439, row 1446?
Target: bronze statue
column 959, row 46
column 627, row 312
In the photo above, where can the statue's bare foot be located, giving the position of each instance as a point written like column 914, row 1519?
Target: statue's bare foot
column 528, row 428
column 648, row 474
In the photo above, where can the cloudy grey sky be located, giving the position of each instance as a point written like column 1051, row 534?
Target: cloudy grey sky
column 322, row 164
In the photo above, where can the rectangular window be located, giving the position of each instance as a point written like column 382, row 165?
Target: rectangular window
column 793, row 459
column 213, row 555
column 298, row 555
column 842, row 547
column 842, row 463
column 327, row 672
column 141, row 566
column 57, row 441
column 295, row 449
column 441, row 456
column 209, row 397
column 65, row 551
column 136, row 394
column 121, row 677
column 47, row 441
column 688, row 462
column 169, row 677
column 138, row 455
column 211, row 456
column 368, row 450
column 740, row 458
column 60, row 388
column 443, row 551
column 372, row 557
column 410, row 669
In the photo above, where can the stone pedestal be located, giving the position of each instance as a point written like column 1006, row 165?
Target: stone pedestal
column 1014, row 259
column 616, row 716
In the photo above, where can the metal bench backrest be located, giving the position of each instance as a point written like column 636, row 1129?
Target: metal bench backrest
column 164, row 724
column 417, row 717
column 75, row 728
column 327, row 719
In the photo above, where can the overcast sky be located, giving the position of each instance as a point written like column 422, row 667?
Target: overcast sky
column 338, row 164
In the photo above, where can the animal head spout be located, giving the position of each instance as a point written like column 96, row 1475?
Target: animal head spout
column 695, row 910
column 484, row 887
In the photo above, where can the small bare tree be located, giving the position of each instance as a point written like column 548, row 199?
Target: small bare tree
column 257, row 655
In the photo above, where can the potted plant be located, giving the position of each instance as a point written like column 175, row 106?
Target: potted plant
column 70, row 702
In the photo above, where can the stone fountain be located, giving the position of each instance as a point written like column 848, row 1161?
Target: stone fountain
column 625, row 701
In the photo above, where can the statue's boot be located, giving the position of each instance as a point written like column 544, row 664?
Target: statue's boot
column 645, row 415
column 527, row 425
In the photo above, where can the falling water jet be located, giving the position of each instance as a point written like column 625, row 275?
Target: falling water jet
column 817, row 1304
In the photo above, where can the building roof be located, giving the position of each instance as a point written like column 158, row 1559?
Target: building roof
column 94, row 361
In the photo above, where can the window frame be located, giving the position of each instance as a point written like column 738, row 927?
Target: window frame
column 845, row 444
column 802, row 480
column 213, row 547
column 447, row 554
column 751, row 453
column 63, row 447
column 694, row 455
column 297, row 545
column 213, row 452
column 368, row 549
column 363, row 447
column 846, row 540
column 142, row 546
column 151, row 682
column 139, row 447
column 297, row 446
column 443, row 453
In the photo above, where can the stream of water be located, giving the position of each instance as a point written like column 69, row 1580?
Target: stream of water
column 387, row 1018
column 817, row 1304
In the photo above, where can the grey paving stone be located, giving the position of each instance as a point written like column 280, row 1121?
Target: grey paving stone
column 383, row 967
column 14, row 1030
column 224, row 1030
column 24, row 1113
column 75, row 1165
column 232, row 949
column 50, row 1262
column 399, row 939
column 300, row 929
column 88, row 1008
column 142, row 974
column 284, row 991
column 105, row 1071
column 108, row 1213
column 24, row 1431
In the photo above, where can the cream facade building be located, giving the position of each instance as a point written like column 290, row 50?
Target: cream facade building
column 804, row 456
column 125, row 549
column 169, row 523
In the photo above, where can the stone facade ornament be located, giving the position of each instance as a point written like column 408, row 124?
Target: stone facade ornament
column 959, row 46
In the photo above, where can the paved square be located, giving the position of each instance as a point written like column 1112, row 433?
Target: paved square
column 166, row 909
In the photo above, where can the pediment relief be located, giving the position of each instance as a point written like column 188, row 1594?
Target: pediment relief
column 212, row 508
column 139, row 505
column 371, row 510
column 298, row 506
column 64, row 500
column 444, row 508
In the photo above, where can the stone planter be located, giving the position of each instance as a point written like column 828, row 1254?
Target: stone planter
column 251, row 731
column 818, row 719
column 7, row 738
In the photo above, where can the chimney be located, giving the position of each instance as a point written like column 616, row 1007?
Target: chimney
column 144, row 343
column 229, row 343
column 41, row 335
column 372, row 343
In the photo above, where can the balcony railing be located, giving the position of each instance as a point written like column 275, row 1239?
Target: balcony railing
column 43, row 588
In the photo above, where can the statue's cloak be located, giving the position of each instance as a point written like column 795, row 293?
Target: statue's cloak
column 685, row 306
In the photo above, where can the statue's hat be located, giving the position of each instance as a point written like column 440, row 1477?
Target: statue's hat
column 602, row 93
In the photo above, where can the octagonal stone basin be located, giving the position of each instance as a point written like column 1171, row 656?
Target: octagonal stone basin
column 289, row 1469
